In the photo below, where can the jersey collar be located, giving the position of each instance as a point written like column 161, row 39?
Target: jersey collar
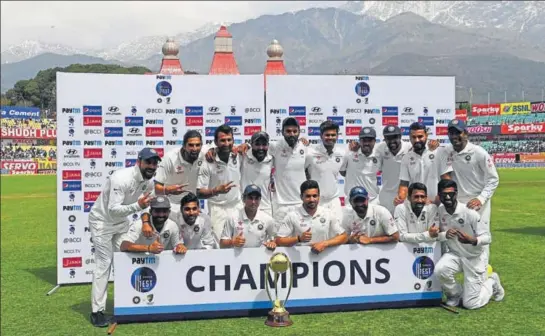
column 137, row 174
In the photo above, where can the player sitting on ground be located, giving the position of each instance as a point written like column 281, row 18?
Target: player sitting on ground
column 417, row 221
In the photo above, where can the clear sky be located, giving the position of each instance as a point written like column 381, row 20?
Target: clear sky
column 103, row 24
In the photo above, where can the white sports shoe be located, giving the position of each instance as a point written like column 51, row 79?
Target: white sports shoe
column 499, row 292
column 453, row 301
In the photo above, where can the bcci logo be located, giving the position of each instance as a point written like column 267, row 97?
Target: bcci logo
column 423, row 268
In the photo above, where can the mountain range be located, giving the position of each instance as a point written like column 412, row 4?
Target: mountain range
column 490, row 46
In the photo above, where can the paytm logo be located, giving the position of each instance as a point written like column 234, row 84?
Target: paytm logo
column 390, row 111
column 297, row 110
column 314, row 131
column 130, row 162
column 233, row 121
column 353, row 121
column 193, row 110
column 336, row 120
column 134, row 121
column 426, row 121
column 92, row 110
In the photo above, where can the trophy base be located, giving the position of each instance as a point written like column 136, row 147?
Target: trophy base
column 277, row 319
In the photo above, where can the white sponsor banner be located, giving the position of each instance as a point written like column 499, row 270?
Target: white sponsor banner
column 232, row 282
column 357, row 101
column 104, row 120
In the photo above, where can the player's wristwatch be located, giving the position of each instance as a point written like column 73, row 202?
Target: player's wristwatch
column 299, row 239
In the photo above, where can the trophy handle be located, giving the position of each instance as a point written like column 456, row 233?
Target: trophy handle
column 290, row 283
column 267, row 289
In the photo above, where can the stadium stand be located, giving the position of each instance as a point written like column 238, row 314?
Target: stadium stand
column 507, row 119
column 23, row 152
column 29, row 123
column 518, row 146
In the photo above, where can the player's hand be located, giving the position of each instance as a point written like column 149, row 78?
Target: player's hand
column 210, row 155
column 272, row 187
column 428, row 201
column 304, row 141
column 354, row 146
column 433, row 231
column 144, row 200
column 180, row 249
column 270, row 245
column 156, row 247
column 364, row 240
column 353, row 239
column 239, row 240
column 398, row 200
column 437, row 200
column 306, row 236
column 464, row 238
column 176, row 189
column 225, row 188
column 147, row 230
column 451, row 233
column 433, row 144
column 319, row 247
column 243, row 148
column 474, row 204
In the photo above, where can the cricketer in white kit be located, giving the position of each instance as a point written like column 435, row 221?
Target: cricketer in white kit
column 360, row 167
column 473, row 170
column 323, row 163
column 196, row 231
column 417, row 221
column 466, row 237
column 127, row 191
column 310, row 224
column 219, row 182
column 250, row 226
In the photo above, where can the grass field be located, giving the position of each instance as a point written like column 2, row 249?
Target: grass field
column 28, row 265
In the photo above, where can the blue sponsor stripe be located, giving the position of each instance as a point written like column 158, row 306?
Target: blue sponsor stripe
column 267, row 304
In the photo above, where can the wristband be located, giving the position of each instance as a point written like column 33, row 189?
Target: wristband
column 299, row 239
column 149, row 248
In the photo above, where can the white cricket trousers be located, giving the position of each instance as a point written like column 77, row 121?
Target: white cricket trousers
column 333, row 205
column 219, row 215
column 105, row 246
column 478, row 288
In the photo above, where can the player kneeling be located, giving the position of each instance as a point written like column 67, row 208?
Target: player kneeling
column 250, row 227
column 367, row 223
column 166, row 235
column 311, row 224
column 466, row 237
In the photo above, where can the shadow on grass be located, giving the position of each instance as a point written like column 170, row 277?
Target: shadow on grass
column 84, row 308
column 47, row 274
column 537, row 231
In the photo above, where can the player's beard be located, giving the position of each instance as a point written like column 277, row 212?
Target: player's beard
column 393, row 146
column 311, row 205
column 259, row 154
column 147, row 173
column 419, row 146
column 191, row 156
column 367, row 149
column 190, row 220
column 291, row 140
column 159, row 221
column 225, row 150
column 360, row 209
column 450, row 202
column 417, row 207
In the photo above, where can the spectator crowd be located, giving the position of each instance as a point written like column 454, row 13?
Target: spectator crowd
column 27, row 152
column 43, row 124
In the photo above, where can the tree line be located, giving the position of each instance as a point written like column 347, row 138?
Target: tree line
column 41, row 91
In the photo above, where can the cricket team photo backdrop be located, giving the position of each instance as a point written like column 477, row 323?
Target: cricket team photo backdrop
column 104, row 120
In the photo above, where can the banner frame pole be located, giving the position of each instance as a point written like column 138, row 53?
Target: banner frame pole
column 53, row 290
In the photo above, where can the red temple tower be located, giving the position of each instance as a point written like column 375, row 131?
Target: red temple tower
column 275, row 63
column 223, row 62
column 171, row 63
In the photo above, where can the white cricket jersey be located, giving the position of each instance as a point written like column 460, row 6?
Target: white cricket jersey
column 199, row 235
column 324, row 169
column 259, row 173
column 323, row 225
column 423, row 169
column 214, row 174
column 391, row 165
column 473, row 170
column 377, row 222
column 468, row 221
column 289, row 173
column 118, row 199
column 412, row 228
column 256, row 232
column 173, row 169
column 169, row 235
column 361, row 171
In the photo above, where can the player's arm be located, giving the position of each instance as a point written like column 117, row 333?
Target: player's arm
column 129, row 239
column 208, row 239
column 227, row 240
column 344, row 164
column 286, row 235
column 176, row 240
column 117, row 196
column 337, row 232
column 389, row 226
column 404, row 179
column 491, row 177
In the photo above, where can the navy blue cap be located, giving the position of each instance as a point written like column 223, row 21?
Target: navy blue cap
column 251, row 189
column 290, row 121
column 358, row 192
column 148, row 153
column 458, row 124
column 160, row 202
column 368, row 132
column 391, row 130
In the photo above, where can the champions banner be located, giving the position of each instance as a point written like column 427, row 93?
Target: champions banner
column 231, row 282
column 356, row 101
column 104, row 120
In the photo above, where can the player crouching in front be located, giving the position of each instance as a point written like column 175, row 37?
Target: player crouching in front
column 466, row 237
column 368, row 223
column 311, row 224
column 250, row 226
column 166, row 235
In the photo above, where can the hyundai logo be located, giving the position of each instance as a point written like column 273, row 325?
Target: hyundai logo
column 71, row 151
column 134, row 130
column 113, row 109
column 316, row 109
column 213, row 109
column 408, row 109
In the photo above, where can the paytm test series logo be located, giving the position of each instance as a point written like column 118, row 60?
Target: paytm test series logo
column 297, row 110
column 143, row 279
column 92, row 110
column 163, row 88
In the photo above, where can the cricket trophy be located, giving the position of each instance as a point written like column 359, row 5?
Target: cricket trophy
column 278, row 316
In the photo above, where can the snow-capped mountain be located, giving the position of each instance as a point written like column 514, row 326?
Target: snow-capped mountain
column 127, row 52
column 524, row 18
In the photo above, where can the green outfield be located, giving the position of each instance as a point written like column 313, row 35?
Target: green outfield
column 28, row 268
